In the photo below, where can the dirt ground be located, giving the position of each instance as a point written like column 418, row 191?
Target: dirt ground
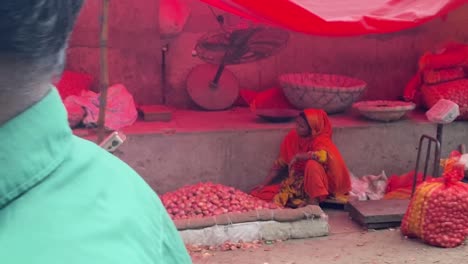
column 347, row 244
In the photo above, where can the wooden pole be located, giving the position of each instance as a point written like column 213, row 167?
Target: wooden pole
column 104, row 75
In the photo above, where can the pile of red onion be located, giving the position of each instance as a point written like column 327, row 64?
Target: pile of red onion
column 208, row 199
column 446, row 218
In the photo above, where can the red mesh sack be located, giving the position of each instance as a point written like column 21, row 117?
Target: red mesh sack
column 412, row 92
column 456, row 91
column 451, row 55
column 445, row 75
column 438, row 211
column 273, row 98
column 73, row 83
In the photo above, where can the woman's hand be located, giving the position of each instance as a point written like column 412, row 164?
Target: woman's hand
column 302, row 157
column 291, row 163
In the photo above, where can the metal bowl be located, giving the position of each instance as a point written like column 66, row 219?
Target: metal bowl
column 384, row 110
column 277, row 115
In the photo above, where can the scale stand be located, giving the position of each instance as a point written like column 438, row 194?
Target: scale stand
column 389, row 213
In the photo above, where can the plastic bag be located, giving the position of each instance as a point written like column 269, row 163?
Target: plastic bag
column 438, row 211
column 121, row 110
column 369, row 187
column 443, row 112
column 173, row 15
column 75, row 111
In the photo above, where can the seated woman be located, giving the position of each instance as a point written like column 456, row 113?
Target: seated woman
column 316, row 169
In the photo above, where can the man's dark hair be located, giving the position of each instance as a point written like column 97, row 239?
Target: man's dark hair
column 36, row 31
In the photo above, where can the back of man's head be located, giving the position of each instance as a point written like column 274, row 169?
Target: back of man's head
column 33, row 38
column 33, row 33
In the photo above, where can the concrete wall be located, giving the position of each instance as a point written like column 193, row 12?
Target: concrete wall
column 134, row 46
column 242, row 157
column 386, row 62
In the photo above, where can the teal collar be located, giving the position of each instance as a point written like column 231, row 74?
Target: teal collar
column 32, row 145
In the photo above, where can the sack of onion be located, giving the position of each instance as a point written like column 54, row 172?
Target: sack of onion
column 438, row 211
column 208, row 199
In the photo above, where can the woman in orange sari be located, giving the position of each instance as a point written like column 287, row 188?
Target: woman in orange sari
column 316, row 169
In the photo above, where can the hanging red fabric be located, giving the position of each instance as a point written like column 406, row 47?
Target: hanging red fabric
column 340, row 17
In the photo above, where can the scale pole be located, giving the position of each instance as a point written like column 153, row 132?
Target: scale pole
column 440, row 130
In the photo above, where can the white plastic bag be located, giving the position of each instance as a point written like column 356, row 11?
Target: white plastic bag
column 120, row 111
column 358, row 188
column 443, row 112
column 75, row 111
column 369, row 187
column 464, row 161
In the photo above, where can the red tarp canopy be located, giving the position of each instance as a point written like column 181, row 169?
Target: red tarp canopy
column 340, row 17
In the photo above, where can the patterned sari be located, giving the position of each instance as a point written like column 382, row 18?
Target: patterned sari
column 312, row 179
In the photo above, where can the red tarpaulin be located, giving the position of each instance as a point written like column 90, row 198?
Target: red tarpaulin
column 340, row 17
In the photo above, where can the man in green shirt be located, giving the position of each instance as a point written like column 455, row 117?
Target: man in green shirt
column 63, row 199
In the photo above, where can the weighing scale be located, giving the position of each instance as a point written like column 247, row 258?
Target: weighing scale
column 389, row 213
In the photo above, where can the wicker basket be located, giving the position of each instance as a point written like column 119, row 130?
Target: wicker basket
column 332, row 93
column 385, row 111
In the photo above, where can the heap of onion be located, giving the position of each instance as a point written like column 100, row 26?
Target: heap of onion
column 208, row 199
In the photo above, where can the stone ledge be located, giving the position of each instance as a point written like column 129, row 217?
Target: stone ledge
column 248, row 232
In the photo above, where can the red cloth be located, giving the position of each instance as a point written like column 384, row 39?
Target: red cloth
column 272, row 98
column 400, row 187
column 246, row 97
column 340, row 17
column 266, row 193
column 404, row 181
column 74, row 83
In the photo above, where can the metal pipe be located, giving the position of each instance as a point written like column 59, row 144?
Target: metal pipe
column 428, row 155
column 415, row 178
column 214, row 83
column 164, row 51
column 436, row 161
column 435, row 172
column 440, row 130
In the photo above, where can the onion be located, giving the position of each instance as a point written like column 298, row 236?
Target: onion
column 208, row 199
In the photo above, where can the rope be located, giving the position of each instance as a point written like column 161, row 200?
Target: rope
column 229, row 220
column 307, row 215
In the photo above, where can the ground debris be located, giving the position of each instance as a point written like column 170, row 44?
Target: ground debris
column 207, row 251
column 361, row 244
